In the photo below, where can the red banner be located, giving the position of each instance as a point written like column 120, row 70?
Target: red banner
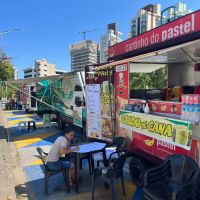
column 121, row 81
column 175, row 29
column 162, row 149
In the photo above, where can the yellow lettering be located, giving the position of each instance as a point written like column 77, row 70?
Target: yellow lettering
column 150, row 126
column 162, row 128
column 155, row 128
column 144, row 125
column 168, row 131
column 137, row 122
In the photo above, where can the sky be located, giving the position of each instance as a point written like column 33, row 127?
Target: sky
column 49, row 27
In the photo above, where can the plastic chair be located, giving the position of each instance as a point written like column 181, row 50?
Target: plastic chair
column 110, row 175
column 22, row 125
column 175, row 179
column 46, row 120
column 48, row 172
column 119, row 146
column 31, row 124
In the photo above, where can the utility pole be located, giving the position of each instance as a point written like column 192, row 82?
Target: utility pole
column 10, row 30
column 3, row 58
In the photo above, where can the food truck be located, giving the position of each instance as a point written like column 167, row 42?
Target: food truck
column 149, row 92
column 64, row 97
column 27, row 98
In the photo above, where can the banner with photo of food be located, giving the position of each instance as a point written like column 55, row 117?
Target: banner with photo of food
column 107, row 107
column 103, row 77
column 170, row 130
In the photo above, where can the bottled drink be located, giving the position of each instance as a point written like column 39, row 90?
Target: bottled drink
column 183, row 113
column 196, row 115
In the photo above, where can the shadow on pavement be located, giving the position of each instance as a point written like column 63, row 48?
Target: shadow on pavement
column 36, row 185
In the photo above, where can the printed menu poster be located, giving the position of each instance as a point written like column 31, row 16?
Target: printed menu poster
column 93, row 111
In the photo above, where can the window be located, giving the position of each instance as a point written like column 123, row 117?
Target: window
column 146, row 81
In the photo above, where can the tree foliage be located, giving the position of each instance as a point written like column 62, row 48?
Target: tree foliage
column 6, row 68
column 153, row 80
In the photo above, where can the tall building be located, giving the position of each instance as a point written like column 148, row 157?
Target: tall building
column 41, row 68
column 147, row 18
column 29, row 72
column 15, row 73
column 111, row 37
column 173, row 12
column 83, row 53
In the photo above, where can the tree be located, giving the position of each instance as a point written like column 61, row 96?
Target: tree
column 6, row 68
column 153, row 80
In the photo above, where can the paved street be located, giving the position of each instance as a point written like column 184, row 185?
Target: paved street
column 26, row 143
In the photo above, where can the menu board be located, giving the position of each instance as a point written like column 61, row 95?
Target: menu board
column 93, row 111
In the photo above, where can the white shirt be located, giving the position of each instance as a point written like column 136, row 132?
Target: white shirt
column 54, row 153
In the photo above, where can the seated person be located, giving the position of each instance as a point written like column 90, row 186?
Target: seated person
column 61, row 146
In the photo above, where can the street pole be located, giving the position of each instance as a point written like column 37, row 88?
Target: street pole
column 10, row 30
column 6, row 93
column 5, row 32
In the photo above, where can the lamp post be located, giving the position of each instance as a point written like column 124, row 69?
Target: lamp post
column 10, row 30
column 2, row 58
column 5, row 58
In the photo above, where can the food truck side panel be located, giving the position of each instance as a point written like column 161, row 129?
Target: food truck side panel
column 65, row 95
column 147, row 144
column 139, row 142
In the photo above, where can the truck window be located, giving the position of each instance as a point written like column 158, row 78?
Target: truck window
column 78, row 88
column 146, row 81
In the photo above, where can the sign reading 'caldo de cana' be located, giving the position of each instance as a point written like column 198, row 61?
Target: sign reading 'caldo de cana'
column 170, row 130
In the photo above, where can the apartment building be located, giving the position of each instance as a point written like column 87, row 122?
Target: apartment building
column 29, row 72
column 111, row 37
column 173, row 12
column 83, row 53
column 15, row 73
column 41, row 69
column 146, row 19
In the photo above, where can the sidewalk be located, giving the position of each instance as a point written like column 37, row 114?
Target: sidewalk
column 26, row 143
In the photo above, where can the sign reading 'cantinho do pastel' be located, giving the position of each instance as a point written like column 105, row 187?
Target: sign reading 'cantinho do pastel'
column 183, row 26
column 170, row 130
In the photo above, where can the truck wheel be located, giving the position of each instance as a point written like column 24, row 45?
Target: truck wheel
column 197, row 195
column 61, row 124
column 137, row 169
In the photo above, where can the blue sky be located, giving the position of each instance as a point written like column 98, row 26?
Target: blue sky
column 50, row 26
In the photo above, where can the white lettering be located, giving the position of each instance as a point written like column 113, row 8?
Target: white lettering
column 193, row 22
column 166, row 145
column 181, row 29
column 178, row 30
column 170, row 33
column 142, row 42
column 187, row 27
column 164, row 35
column 156, row 38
